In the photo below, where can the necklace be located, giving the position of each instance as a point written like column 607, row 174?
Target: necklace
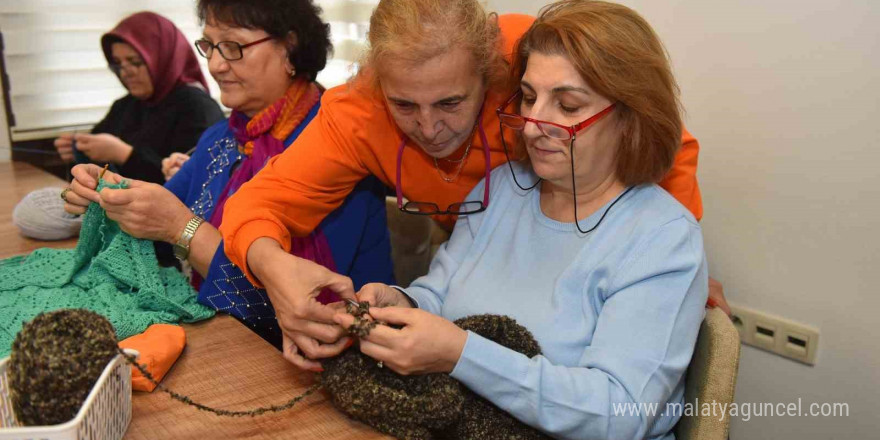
column 460, row 161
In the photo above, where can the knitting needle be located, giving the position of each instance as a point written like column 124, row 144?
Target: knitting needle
column 104, row 171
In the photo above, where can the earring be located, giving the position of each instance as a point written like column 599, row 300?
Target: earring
column 292, row 72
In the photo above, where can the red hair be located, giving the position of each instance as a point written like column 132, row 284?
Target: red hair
column 618, row 54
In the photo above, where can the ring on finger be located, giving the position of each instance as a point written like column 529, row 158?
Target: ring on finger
column 64, row 194
column 380, row 364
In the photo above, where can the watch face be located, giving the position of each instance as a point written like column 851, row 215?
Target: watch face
column 180, row 252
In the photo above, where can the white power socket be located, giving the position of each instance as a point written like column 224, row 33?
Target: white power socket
column 776, row 335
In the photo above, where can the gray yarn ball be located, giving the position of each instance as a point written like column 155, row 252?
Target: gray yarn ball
column 41, row 215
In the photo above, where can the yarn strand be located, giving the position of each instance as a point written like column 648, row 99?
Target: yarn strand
column 363, row 328
column 220, row 412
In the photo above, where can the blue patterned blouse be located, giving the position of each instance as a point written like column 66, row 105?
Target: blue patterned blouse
column 357, row 231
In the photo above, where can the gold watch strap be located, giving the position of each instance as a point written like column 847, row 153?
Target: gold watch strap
column 181, row 248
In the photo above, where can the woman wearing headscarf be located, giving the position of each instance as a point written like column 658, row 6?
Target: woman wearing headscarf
column 265, row 55
column 167, row 107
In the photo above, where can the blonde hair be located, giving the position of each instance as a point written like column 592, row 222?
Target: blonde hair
column 414, row 31
column 618, row 54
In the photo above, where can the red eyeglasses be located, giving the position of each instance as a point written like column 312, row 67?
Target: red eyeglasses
column 550, row 129
column 555, row 131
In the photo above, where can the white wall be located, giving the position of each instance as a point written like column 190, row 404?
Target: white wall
column 784, row 97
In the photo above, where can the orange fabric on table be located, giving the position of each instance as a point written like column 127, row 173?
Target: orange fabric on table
column 354, row 135
column 159, row 347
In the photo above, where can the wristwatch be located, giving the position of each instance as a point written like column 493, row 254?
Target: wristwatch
column 181, row 248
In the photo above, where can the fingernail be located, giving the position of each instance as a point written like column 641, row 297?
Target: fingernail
column 317, row 369
column 349, row 343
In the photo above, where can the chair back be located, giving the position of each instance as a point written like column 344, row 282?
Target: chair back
column 711, row 377
column 410, row 243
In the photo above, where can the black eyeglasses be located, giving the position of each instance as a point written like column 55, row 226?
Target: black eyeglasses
column 131, row 66
column 461, row 208
column 229, row 50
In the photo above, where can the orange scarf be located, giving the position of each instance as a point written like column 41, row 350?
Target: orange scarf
column 283, row 116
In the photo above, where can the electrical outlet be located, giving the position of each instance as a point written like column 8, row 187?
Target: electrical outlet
column 775, row 334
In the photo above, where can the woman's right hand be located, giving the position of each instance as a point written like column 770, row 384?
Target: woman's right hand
column 64, row 146
column 293, row 284
column 171, row 164
column 81, row 191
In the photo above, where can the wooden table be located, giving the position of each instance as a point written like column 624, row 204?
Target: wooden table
column 227, row 366
column 224, row 365
column 17, row 179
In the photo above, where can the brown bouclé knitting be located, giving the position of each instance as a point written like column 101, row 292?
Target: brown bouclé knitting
column 431, row 406
column 480, row 419
column 55, row 361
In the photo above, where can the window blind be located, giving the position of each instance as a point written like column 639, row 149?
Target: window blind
column 57, row 76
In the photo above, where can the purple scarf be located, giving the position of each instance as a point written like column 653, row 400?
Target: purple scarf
column 314, row 246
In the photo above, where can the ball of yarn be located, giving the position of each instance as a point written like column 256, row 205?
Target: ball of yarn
column 41, row 215
column 430, row 406
column 55, row 361
column 406, row 407
column 479, row 417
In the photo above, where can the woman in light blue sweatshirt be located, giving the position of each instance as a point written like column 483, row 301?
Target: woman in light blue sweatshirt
column 578, row 244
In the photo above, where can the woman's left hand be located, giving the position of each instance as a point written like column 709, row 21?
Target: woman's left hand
column 171, row 164
column 103, row 148
column 426, row 343
column 146, row 210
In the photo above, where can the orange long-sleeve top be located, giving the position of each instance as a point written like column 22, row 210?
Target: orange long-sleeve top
column 354, row 135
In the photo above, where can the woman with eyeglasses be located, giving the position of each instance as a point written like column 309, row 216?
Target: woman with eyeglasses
column 421, row 117
column 265, row 54
column 167, row 107
column 579, row 245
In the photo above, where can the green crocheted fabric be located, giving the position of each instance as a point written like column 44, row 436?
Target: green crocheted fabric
column 109, row 272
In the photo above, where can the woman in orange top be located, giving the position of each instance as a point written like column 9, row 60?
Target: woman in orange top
column 421, row 117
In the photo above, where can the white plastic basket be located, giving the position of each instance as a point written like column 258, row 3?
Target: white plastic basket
column 104, row 415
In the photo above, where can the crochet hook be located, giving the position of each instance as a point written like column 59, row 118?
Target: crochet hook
column 358, row 306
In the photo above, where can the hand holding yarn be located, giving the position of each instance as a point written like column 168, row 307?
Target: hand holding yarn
column 146, row 210
column 293, row 285
column 82, row 188
column 103, row 148
column 171, row 164
column 422, row 342
column 64, row 146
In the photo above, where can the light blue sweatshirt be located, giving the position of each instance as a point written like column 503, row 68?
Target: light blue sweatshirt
column 616, row 311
